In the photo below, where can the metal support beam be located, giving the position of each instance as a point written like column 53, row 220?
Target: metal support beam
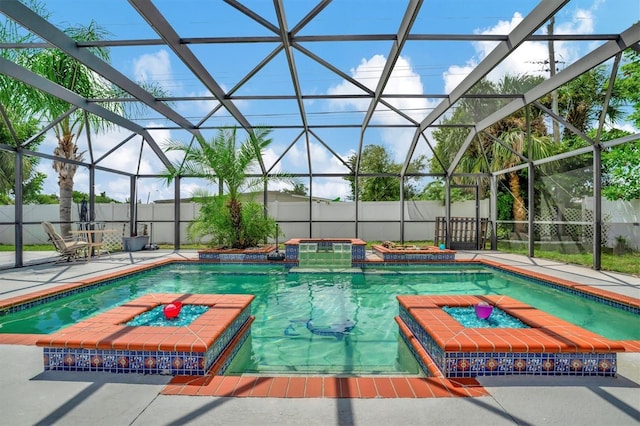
column 35, row 23
column 310, row 207
column 159, row 23
column 597, row 207
column 22, row 74
column 356, row 199
column 494, row 212
column 176, row 213
column 132, row 205
column 531, row 208
column 92, row 193
column 477, row 198
column 447, row 210
column 402, row 210
column 530, row 187
column 283, row 30
column 18, row 209
column 408, row 19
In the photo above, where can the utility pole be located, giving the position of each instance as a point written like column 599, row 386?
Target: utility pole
column 552, row 72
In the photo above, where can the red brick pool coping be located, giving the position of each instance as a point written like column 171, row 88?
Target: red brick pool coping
column 316, row 386
column 547, row 333
column 325, row 387
column 109, row 331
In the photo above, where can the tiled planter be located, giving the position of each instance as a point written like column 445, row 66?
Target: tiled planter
column 258, row 254
column 550, row 346
column 428, row 254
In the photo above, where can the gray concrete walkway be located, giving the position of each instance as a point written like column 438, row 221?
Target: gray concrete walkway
column 30, row 396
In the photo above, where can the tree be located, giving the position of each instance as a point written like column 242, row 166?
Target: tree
column 380, row 180
column 628, row 84
column 13, row 100
column 224, row 160
column 99, row 198
column 69, row 73
column 435, row 191
column 620, row 168
column 298, row 189
column 512, row 131
column 46, row 199
column 32, row 179
column 487, row 155
column 581, row 100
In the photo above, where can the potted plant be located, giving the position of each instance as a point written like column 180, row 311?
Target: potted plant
column 135, row 242
column 226, row 221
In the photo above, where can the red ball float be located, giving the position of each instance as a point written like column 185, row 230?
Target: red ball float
column 172, row 310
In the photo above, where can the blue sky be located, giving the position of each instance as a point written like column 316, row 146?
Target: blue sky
column 436, row 69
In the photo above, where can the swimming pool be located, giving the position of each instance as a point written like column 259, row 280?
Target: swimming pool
column 289, row 307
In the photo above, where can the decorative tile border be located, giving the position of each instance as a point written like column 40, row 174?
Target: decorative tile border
column 550, row 347
column 539, row 364
column 189, row 350
column 430, row 254
column 235, row 256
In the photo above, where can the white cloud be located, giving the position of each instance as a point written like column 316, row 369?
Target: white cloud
column 125, row 158
column 155, row 68
column 403, row 80
column 626, row 126
column 582, row 22
column 529, row 56
column 323, row 161
column 456, row 73
column 331, row 188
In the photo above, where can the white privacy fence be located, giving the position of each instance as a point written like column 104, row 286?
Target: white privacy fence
column 377, row 221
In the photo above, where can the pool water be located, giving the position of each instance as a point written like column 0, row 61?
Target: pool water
column 498, row 319
column 302, row 318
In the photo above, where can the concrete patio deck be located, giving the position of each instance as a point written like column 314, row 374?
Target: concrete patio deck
column 31, row 396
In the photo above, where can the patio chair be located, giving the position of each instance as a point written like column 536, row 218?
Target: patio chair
column 68, row 248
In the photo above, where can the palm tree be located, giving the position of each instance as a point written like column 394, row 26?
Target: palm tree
column 32, row 179
column 582, row 99
column 536, row 146
column 511, row 131
column 14, row 98
column 69, row 73
column 224, row 161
